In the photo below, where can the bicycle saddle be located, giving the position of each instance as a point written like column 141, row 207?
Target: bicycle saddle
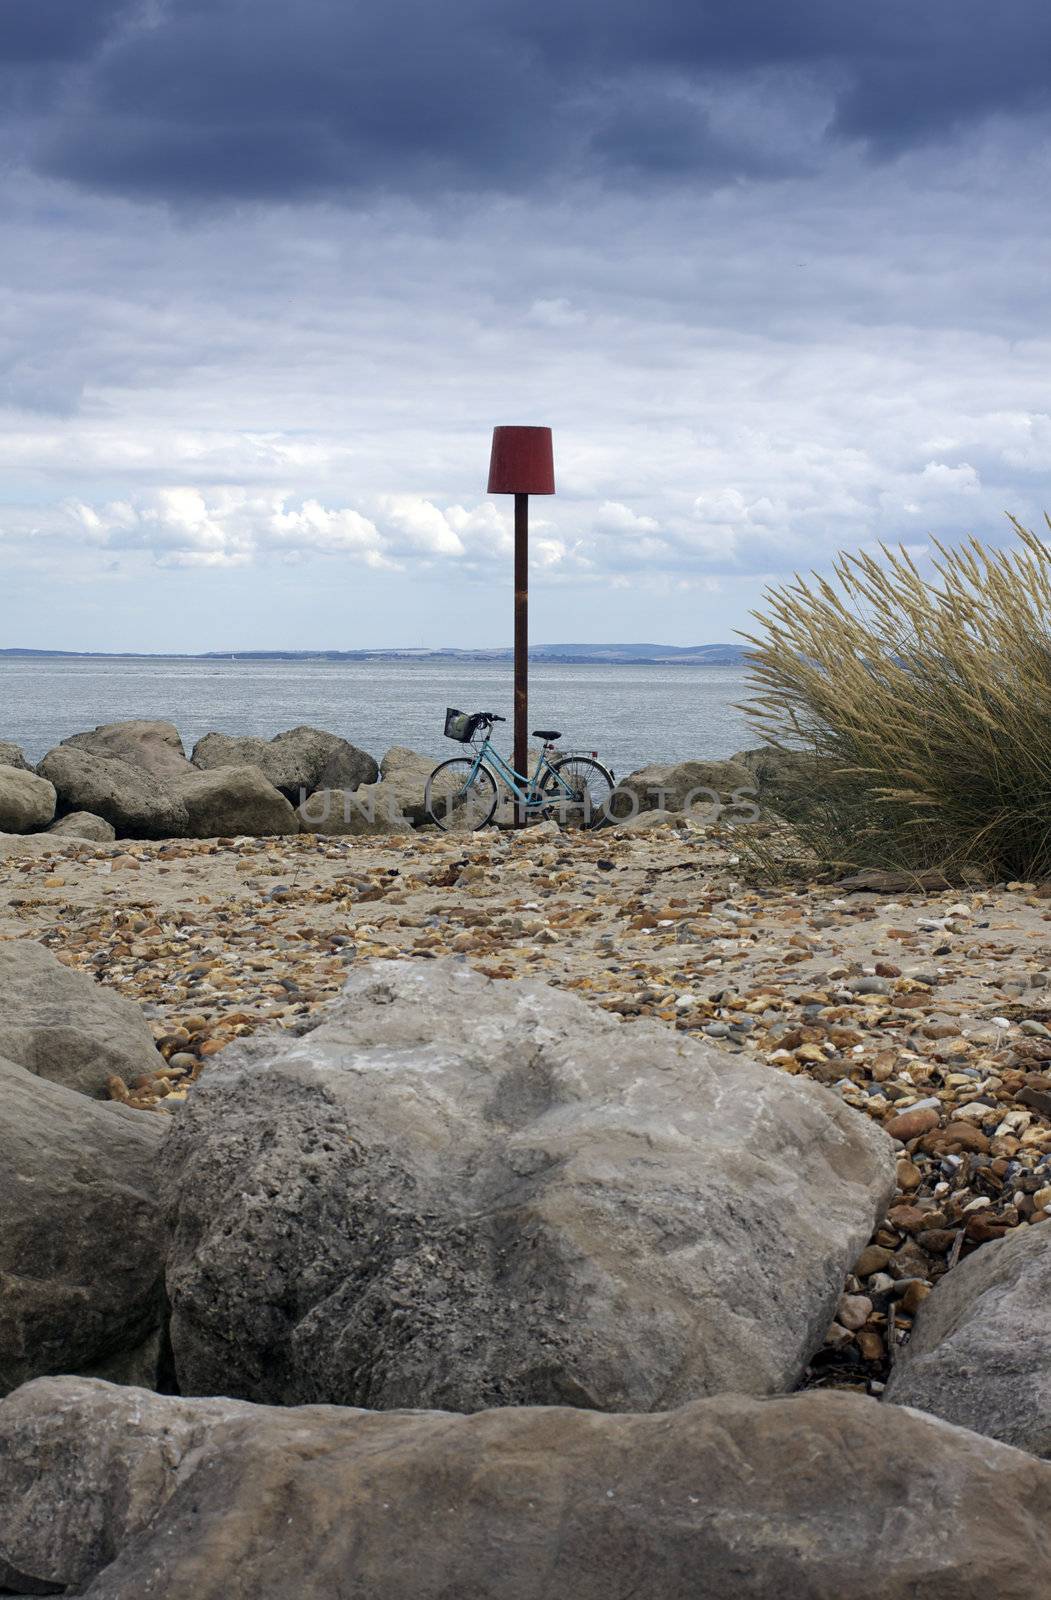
column 545, row 733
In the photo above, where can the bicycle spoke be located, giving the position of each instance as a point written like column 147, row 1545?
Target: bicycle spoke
column 460, row 797
column 580, row 793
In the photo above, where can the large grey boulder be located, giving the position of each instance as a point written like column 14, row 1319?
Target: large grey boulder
column 399, row 802
column 154, row 746
column 135, row 803
column 11, row 756
column 116, row 1494
column 233, row 800
column 980, row 1353
column 293, row 762
column 82, row 825
column 62, row 1025
column 401, row 786
column 81, row 1239
column 342, row 811
column 789, row 783
column 457, row 1192
column 347, row 768
column 702, row 788
column 26, row 801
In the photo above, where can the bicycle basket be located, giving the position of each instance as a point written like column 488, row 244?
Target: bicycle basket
column 459, row 725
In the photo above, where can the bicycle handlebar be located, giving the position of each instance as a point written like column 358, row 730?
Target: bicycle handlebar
column 491, row 716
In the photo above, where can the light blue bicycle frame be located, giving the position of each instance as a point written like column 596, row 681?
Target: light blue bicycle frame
column 530, row 797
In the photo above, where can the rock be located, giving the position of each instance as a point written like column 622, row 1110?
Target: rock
column 980, row 1353
column 402, row 797
column 1037, row 1099
column 62, row 1025
column 872, row 1259
column 81, row 1247
column 906, row 1218
column 26, row 801
column 155, row 747
column 646, row 821
column 911, row 1124
column 786, row 780
column 955, row 1138
column 405, row 774
column 116, row 1494
column 11, row 756
column 870, row 1343
column 33, row 846
column 914, row 1294
column 82, row 825
column 702, row 788
column 347, row 768
column 229, row 801
column 457, row 1192
column 339, row 811
column 128, row 797
column 293, row 762
column 854, row 1311
column 869, row 986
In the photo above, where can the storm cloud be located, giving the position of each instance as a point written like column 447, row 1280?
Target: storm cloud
column 253, row 99
column 271, row 272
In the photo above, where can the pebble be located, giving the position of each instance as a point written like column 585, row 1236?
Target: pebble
column 869, row 986
column 871, row 1260
column 854, row 1311
column 870, row 1343
column 907, row 1218
column 911, row 1124
column 915, row 1292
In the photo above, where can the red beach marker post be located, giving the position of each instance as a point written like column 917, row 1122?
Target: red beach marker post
column 522, row 463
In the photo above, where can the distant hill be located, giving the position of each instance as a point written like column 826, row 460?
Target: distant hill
column 711, row 655
column 707, row 655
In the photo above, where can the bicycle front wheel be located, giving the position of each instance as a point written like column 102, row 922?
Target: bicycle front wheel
column 459, row 797
column 580, row 792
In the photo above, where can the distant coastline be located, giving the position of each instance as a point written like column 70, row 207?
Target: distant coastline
column 635, row 655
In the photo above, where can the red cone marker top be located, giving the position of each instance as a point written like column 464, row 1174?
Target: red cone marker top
column 522, row 462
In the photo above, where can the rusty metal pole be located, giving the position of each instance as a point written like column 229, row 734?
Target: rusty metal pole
column 522, row 463
column 521, row 638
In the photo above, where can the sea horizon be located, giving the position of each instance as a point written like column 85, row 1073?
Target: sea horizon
column 716, row 654
column 634, row 713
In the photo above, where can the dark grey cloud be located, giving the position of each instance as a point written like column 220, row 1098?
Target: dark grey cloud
column 229, row 99
column 58, row 30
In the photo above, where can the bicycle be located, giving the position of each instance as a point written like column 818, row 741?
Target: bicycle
column 461, row 794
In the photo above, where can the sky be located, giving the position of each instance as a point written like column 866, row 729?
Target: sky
column 775, row 275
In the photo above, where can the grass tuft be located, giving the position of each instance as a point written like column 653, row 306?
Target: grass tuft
column 925, row 705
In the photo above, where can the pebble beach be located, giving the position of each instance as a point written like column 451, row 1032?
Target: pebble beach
column 927, row 1012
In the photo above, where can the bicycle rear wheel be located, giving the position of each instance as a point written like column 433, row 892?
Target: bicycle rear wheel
column 458, row 798
column 590, row 796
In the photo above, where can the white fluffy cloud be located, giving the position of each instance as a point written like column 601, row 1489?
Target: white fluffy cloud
column 238, row 526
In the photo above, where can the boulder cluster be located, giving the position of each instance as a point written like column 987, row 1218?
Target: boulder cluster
column 133, row 780
column 466, row 1287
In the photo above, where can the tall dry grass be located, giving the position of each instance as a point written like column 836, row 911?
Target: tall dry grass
column 926, row 704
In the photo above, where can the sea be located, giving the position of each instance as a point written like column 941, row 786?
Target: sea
column 632, row 715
